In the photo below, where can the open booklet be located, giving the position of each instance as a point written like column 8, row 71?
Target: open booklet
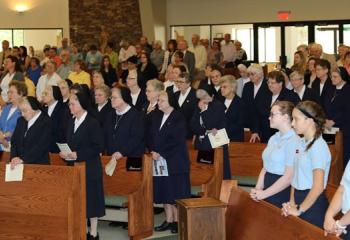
column 65, row 148
column 160, row 168
column 219, row 139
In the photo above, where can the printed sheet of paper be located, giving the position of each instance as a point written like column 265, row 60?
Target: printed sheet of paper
column 110, row 167
column 219, row 139
column 14, row 175
column 333, row 130
column 65, row 148
column 160, row 168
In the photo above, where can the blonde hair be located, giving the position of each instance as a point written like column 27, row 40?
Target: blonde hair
column 256, row 68
column 105, row 89
column 231, row 80
column 156, row 84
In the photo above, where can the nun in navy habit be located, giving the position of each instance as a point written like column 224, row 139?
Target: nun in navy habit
column 207, row 118
column 169, row 142
column 31, row 139
column 85, row 139
column 56, row 110
column 124, row 127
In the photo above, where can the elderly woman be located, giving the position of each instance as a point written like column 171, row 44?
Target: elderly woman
column 31, row 139
column 304, row 92
column 157, row 55
column 153, row 89
column 168, row 135
column 50, row 78
column 234, row 111
column 124, row 127
column 244, row 78
column 10, row 113
column 336, row 104
column 85, row 139
column 103, row 105
column 208, row 117
column 186, row 99
column 276, row 85
column 79, row 75
column 56, row 110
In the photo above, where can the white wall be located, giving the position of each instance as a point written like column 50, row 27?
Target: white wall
column 40, row 14
column 236, row 11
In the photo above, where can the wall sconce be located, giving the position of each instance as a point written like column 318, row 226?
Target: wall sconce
column 21, row 8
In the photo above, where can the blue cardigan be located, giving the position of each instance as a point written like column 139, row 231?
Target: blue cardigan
column 9, row 125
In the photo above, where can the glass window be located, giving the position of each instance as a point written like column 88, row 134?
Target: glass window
column 6, row 34
column 295, row 36
column 269, row 44
column 328, row 37
column 18, row 37
column 347, row 34
column 39, row 37
column 188, row 31
column 240, row 32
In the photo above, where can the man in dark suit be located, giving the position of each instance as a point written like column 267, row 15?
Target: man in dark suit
column 187, row 100
column 189, row 58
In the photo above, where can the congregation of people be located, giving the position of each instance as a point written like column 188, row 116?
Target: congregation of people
column 144, row 99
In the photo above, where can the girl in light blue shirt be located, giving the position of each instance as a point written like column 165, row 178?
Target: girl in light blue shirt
column 340, row 202
column 311, row 168
column 278, row 157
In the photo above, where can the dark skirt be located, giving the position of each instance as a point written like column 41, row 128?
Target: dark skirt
column 168, row 189
column 95, row 199
column 316, row 213
column 279, row 198
column 347, row 235
column 346, row 153
column 227, row 167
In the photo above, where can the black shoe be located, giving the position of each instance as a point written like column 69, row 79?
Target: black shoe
column 95, row 238
column 88, row 236
column 165, row 226
column 174, row 227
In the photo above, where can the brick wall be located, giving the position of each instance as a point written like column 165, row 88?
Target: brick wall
column 119, row 18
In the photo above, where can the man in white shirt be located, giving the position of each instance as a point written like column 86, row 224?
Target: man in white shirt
column 200, row 53
column 126, row 51
column 229, row 51
column 50, row 78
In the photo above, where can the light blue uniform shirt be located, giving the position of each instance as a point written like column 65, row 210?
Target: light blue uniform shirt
column 345, row 182
column 280, row 152
column 317, row 157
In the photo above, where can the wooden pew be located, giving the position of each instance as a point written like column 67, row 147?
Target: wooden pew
column 247, row 219
column 207, row 176
column 336, row 170
column 245, row 159
column 137, row 186
column 48, row 204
